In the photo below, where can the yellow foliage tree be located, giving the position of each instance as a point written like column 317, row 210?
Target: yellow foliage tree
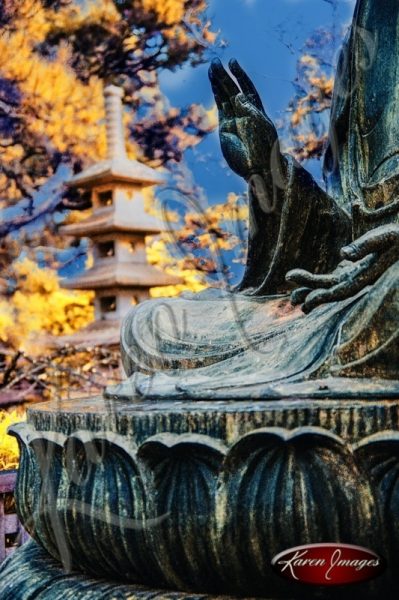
column 57, row 58
column 39, row 304
column 197, row 247
column 9, row 453
column 56, row 108
column 55, row 61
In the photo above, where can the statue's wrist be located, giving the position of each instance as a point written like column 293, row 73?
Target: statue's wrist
column 274, row 174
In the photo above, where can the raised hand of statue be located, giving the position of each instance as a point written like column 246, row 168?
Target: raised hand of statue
column 248, row 138
column 365, row 260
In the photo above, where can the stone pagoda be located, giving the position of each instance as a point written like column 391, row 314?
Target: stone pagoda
column 117, row 228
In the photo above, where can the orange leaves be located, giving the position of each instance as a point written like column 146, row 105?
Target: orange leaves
column 169, row 12
column 195, row 249
column 319, row 92
column 309, row 145
column 178, row 16
column 324, row 85
column 308, row 133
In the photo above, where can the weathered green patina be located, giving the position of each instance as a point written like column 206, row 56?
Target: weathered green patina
column 339, row 247
column 200, row 496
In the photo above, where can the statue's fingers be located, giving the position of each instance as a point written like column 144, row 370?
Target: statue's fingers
column 223, row 81
column 376, row 240
column 363, row 275
column 299, row 295
column 245, row 108
column 317, row 298
column 246, row 84
column 339, row 292
column 310, row 280
column 222, row 99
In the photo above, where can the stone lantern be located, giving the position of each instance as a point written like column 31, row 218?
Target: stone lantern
column 118, row 225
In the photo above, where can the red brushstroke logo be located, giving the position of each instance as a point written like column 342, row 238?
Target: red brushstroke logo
column 328, row 564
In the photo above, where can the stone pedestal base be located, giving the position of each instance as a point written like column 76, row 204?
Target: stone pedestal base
column 31, row 574
column 201, row 496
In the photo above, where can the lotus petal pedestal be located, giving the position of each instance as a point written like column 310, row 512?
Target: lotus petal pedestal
column 199, row 497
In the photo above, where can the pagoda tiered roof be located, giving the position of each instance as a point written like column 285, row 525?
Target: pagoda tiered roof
column 112, row 274
column 107, row 220
column 116, row 170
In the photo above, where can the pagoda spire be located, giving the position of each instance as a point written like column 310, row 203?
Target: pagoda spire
column 116, row 147
column 117, row 166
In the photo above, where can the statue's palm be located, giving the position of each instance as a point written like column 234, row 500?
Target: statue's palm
column 365, row 260
column 248, row 138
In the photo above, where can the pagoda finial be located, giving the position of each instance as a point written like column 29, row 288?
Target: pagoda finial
column 116, row 147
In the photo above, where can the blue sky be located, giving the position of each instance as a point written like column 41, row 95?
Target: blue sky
column 266, row 37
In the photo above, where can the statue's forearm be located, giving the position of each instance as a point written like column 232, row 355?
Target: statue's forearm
column 293, row 224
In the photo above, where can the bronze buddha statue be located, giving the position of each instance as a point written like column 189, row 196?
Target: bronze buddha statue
column 338, row 246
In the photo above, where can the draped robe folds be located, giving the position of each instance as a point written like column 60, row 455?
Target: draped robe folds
column 253, row 343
